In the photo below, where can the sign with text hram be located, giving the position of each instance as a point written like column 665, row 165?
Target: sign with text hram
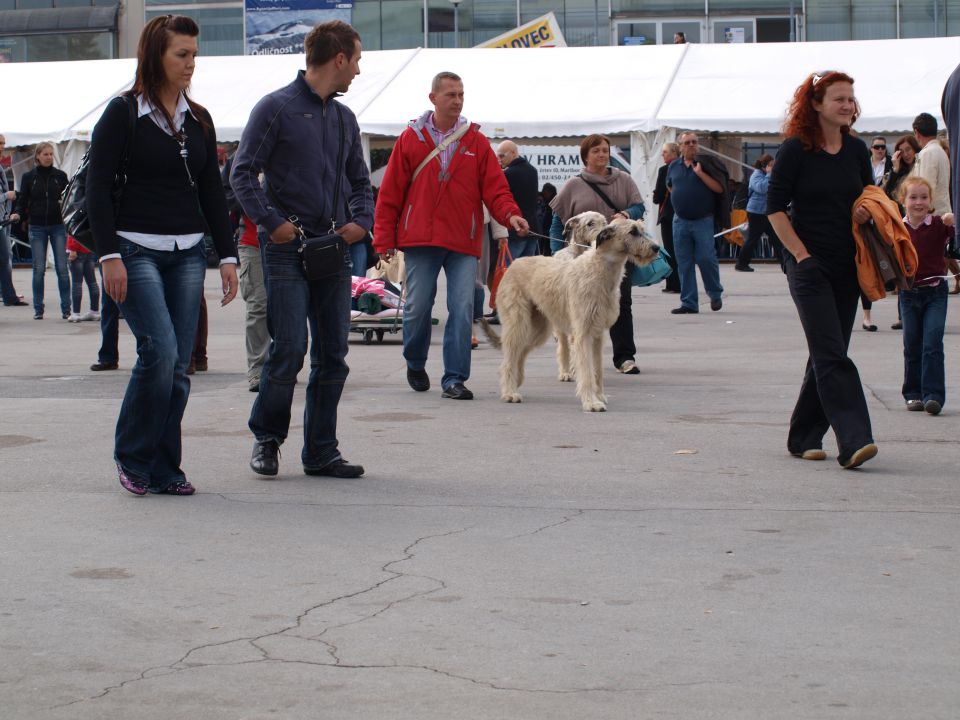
column 278, row 27
column 540, row 33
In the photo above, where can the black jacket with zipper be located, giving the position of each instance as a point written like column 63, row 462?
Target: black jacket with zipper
column 39, row 197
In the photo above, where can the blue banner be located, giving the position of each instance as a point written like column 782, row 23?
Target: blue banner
column 278, row 27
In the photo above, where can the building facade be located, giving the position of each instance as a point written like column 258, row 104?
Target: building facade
column 41, row 30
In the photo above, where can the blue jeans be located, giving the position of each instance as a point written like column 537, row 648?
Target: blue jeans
column 423, row 269
column 523, row 247
column 924, row 313
column 293, row 303
column 82, row 270
column 56, row 235
column 109, row 329
column 161, row 309
column 358, row 257
column 693, row 241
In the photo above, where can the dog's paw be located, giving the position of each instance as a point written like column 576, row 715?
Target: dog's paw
column 512, row 397
column 594, row 406
column 565, row 377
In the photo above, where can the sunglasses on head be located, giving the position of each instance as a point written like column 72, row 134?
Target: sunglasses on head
column 818, row 76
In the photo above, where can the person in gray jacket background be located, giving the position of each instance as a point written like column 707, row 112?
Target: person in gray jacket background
column 293, row 137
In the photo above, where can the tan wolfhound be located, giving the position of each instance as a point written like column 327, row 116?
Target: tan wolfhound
column 579, row 298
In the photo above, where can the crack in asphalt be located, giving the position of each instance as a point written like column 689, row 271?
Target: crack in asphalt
column 184, row 664
column 564, row 521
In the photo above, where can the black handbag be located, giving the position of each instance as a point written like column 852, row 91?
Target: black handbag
column 323, row 256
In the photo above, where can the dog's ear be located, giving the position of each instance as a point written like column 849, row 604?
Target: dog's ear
column 605, row 234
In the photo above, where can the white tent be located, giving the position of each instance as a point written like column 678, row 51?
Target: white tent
column 647, row 92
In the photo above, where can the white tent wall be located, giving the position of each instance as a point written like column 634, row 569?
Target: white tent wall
column 555, row 93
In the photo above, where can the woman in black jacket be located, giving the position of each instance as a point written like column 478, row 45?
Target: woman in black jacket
column 39, row 204
column 151, row 246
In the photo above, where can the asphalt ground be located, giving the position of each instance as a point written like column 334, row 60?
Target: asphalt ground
column 665, row 559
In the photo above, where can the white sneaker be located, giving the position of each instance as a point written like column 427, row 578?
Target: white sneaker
column 74, row 317
column 91, row 315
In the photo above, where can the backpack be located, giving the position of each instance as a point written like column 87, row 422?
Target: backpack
column 73, row 200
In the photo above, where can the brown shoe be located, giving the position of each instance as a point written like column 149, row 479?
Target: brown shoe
column 200, row 364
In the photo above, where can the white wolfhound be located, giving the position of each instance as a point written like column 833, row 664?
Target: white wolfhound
column 579, row 298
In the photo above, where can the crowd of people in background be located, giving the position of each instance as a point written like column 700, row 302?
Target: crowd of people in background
column 151, row 252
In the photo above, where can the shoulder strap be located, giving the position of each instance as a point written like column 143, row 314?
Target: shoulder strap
column 601, row 193
column 445, row 143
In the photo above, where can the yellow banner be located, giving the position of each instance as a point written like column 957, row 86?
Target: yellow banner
column 540, row 33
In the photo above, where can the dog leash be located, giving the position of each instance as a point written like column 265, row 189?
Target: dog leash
column 741, row 227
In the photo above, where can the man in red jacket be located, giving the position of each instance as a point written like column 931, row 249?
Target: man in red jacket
column 440, row 174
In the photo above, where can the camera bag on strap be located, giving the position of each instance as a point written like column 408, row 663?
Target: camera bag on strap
column 73, row 199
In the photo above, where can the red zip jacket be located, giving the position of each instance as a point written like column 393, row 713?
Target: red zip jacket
column 75, row 246
column 440, row 209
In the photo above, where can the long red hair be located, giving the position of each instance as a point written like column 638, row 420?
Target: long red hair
column 802, row 120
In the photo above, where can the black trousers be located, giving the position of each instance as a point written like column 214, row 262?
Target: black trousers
column 621, row 332
column 758, row 225
column 831, row 394
column 666, row 234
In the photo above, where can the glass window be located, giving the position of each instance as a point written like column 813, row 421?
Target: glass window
column 8, row 4
column 874, row 19
column 690, row 30
column 639, row 33
column 674, row 7
column 585, row 23
column 402, row 24
column 69, row 46
column 732, row 31
column 72, row 3
column 774, row 29
column 923, row 19
column 13, row 49
column 532, row 9
column 366, row 20
column 828, row 20
column 953, row 17
column 221, row 29
column 34, row 4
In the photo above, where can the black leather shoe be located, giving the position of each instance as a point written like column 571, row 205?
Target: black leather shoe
column 418, row 379
column 684, row 310
column 98, row 366
column 338, row 469
column 494, row 319
column 743, row 268
column 457, row 391
column 716, row 304
column 17, row 303
column 266, row 458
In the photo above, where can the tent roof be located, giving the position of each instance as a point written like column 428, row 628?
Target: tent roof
column 746, row 88
column 525, row 93
column 552, row 92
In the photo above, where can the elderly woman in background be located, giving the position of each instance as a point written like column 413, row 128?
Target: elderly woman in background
column 613, row 194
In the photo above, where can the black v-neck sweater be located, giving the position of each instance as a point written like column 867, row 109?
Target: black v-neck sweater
column 157, row 197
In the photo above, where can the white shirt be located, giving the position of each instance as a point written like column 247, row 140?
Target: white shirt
column 933, row 166
column 165, row 243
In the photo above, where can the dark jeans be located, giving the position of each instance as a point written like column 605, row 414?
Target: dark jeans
column 199, row 353
column 109, row 329
column 163, row 291
column 293, row 303
column 56, row 236
column 8, row 292
column 831, row 394
column 666, row 235
column 82, row 270
column 924, row 314
column 621, row 332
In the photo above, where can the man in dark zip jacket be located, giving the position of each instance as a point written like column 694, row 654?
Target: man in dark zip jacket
column 39, row 204
column 294, row 138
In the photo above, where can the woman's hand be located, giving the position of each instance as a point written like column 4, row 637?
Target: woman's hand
column 71, row 255
column 228, row 275
column 896, row 161
column 114, row 279
column 860, row 215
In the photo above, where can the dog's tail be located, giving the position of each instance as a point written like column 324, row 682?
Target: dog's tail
column 490, row 333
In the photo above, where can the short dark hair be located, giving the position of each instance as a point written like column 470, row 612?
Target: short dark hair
column 591, row 141
column 925, row 124
column 441, row 76
column 763, row 161
column 327, row 40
